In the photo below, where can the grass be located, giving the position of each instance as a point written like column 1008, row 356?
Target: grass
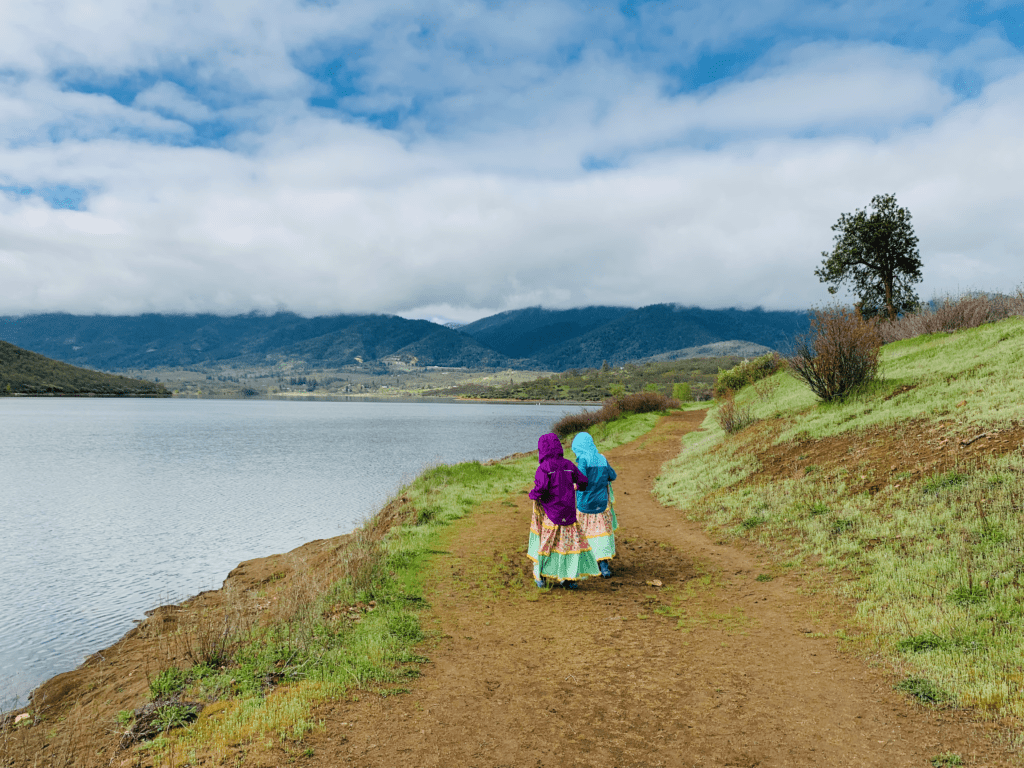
column 933, row 563
column 334, row 636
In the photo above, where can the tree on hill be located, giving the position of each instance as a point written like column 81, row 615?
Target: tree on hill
column 877, row 253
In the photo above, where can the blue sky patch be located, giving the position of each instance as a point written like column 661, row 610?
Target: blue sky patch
column 56, row 195
column 1009, row 20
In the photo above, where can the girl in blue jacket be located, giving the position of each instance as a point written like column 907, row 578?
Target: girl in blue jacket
column 594, row 501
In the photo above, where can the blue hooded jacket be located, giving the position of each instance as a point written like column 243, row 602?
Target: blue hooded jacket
column 599, row 473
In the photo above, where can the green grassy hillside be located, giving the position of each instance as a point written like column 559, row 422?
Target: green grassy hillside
column 910, row 493
column 26, row 373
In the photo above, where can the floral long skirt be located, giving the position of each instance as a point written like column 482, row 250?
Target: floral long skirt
column 559, row 551
column 599, row 528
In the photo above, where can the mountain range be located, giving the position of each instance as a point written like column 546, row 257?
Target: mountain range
column 532, row 338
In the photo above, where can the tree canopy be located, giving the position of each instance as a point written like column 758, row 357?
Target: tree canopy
column 876, row 253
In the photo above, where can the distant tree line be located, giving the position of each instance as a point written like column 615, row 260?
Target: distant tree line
column 670, row 379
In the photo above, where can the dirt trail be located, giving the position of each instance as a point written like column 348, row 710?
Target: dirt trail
column 713, row 668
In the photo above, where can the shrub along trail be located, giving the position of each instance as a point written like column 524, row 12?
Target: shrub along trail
column 684, row 658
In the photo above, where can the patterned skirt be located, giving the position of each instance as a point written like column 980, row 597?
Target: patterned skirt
column 599, row 528
column 559, row 551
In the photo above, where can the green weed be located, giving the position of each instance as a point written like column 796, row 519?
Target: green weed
column 168, row 683
column 925, row 642
column 943, row 481
column 173, row 716
column 817, row 508
column 923, row 690
column 967, row 594
column 842, row 526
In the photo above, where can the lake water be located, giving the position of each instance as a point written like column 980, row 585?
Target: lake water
column 111, row 507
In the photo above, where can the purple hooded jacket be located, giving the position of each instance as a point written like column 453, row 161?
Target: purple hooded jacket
column 553, row 484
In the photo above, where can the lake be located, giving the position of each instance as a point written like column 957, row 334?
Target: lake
column 111, row 507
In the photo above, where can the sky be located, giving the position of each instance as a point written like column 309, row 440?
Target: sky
column 451, row 160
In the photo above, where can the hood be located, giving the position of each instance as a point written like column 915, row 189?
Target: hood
column 549, row 447
column 585, row 450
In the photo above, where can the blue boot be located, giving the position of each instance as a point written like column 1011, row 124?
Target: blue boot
column 606, row 571
column 570, row 585
column 540, row 583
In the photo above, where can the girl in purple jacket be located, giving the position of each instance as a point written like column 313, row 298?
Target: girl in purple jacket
column 558, row 546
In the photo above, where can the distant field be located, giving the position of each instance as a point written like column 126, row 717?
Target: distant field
column 402, row 380
column 597, row 384
column 298, row 383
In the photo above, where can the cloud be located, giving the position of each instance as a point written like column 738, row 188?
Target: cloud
column 447, row 160
column 172, row 100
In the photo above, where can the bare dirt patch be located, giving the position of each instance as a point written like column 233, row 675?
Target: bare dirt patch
column 885, row 456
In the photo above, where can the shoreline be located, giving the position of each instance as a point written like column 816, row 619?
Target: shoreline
column 244, row 575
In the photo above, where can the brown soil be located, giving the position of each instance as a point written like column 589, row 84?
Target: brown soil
column 880, row 457
column 683, row 658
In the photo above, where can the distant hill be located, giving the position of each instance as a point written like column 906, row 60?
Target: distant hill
column 27, row 373
column 526, row 333
column 532, row 338
column 585, row 338
column 151, row 341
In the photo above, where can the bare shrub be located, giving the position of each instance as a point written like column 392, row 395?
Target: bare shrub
column 840, row 353
column 614, row 408
column 953, row 313
column 572, row 423
column 212, row 638
column 645, row 402
column 610, row 411
column 730, row 416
